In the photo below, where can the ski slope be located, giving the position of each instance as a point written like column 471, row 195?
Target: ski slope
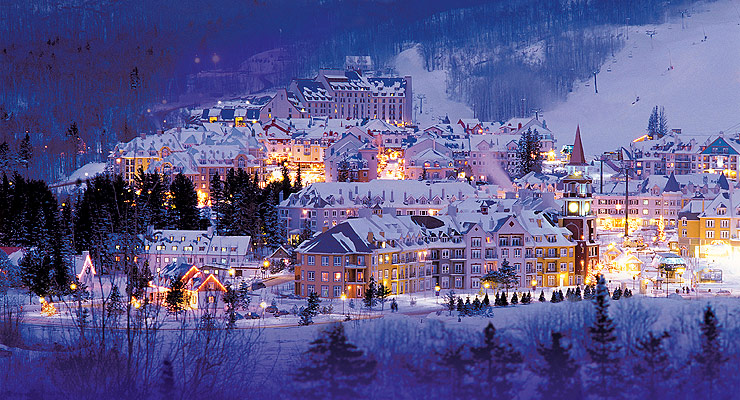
column 701, row 93
column 431, row 87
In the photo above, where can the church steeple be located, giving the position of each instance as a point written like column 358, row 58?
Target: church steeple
column 577, row 158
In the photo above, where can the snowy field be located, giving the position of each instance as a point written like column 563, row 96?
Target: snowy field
column 432, row 87
column 697, row 80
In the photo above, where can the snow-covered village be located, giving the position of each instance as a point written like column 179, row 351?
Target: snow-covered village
column 369, row 199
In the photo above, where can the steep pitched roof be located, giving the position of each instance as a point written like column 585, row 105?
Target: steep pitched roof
column 722, row 182
column 672, row 185
column 577, row 158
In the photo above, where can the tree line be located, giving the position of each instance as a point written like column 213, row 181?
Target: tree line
column 112, row 220
column 603, row 364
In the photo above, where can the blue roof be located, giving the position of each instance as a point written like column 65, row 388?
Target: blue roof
column 719, row 146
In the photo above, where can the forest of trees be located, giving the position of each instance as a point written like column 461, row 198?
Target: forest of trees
column 112, row 219
column 89, row 74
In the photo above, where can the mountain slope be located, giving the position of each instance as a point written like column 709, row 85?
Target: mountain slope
column 701, row 93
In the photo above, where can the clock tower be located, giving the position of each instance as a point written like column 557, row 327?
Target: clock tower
column 577, row 214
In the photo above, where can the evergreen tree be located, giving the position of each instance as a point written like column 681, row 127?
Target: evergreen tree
column 554, row 298
column 176, row 298
column 498, row 362
column 298, row 183
column 578, row 294
column 505, row 277
column 370, row 294
column 36, row 272
column 560, row 375
column 313, row 304
column 6, row 163
column 285, row 185
column 244, row 298
column 529, row 157
column 274, row 233
column 560, row 296
column 151, row 193
column 603, row 350
column 662, row 123
column 486, row 302
column 504, row 300
column 542, row 297
column 25, row 152
column 652, row 361
column 332, row 358
column 514, row 299
column 305, row 317
column 450, row 301
column 221, row 206
column 617, row 294
column 183, row 203
column 497, row 301
column 232, row 300
column 653, row 123
column 460, row 306
column 115, row 304
column 587, row 293
column 711, row 358
column 477, row 305
column 167, row 387
column 382, row 294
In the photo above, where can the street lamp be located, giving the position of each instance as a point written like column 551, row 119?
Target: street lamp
column 343, row 297
column 263, row 305
column 265, row 266
column 534, row 285
column 486, row 285
column 437, row 289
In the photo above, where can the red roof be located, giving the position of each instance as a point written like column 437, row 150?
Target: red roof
column 577, row 157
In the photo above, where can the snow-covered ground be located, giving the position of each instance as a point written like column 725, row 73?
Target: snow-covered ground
column 700, row 92
column 429, row 88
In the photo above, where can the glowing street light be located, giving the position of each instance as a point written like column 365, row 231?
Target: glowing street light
column 437, row 289
column 73, row 286
column 343, row 297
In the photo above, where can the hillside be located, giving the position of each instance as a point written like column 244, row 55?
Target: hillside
column 701, row 93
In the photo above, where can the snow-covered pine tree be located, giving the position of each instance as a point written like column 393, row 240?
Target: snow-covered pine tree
column 542, row 297
column 370, row 294
column 114, row 308
column 313, row 302
column 486, row 302
column 450, row 301
column 652, row 128
column 504, row 300
column 468, row 307
column 497, row 301
column 460, row 306
column 554, row 297
column 662, row 123
column 506, row 276
column 711, row 358
column 617, row 294
column 477, row 305
column 578, row 294
column 305, row 317
column 561, row 297
column 587, row 292
column 652, row 360
column 560, row 375
column 514, row 299
column 332, row 358
column 382, row 294
column 183, row 204
column 499, row 363
column 603, row 350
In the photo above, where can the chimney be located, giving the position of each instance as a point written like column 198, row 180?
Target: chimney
column 280, row 196
column 383, row 194
column 443, row 193
column 391, row 196
column 209, row 232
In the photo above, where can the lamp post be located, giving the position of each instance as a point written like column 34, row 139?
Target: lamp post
column 534, row 285
column 265, row 266
column 343, row 297
column 436, row 290
column 486, row 285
